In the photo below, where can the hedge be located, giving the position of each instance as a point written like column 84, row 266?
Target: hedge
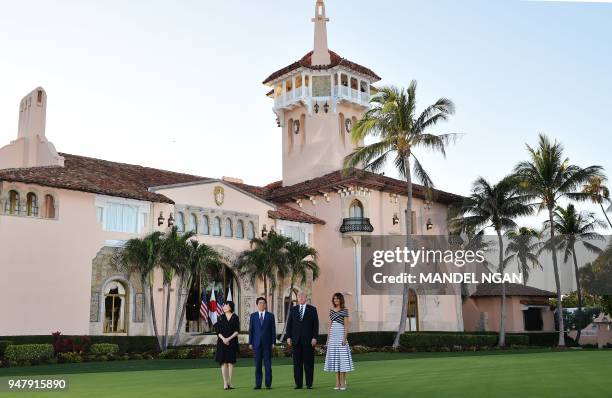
column 368, row 339
column 130, row 344
column 28, row 353
column 437, row 340
column 104, row 349
column 517, row 339
column 3, row 345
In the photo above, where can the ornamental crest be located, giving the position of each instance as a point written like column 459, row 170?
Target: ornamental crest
column 219, row 195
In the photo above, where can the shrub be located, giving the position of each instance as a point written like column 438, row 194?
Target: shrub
column 104, row 349
column 170, row 353
column 69, row 357
column 26, row 354
column 3, row 345
column 435, row 341
column 78, row 344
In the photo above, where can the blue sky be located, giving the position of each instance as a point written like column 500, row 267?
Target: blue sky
column 161, row 83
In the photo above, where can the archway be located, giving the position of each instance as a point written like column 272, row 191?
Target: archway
column 412, row 321
column 115, row 308
column 225, row 286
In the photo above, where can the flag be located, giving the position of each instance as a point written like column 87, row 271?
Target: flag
column 220, row 304
column 229, row 294
column 212, row 306
column 204, row 308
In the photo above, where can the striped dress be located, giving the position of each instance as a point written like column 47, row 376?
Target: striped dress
column 338, row 357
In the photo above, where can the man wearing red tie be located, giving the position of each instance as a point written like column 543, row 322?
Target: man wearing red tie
column 262, row 336
column 302, row 332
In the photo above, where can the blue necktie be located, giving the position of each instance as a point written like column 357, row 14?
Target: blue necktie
column 261, row 319
column 302, row 312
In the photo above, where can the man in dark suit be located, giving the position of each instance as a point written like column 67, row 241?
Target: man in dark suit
column 302, row 332
column 262, row 336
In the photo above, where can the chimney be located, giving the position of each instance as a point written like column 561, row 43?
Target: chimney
column 31, row 148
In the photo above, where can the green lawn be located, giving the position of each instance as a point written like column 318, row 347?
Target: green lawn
column 572, row 373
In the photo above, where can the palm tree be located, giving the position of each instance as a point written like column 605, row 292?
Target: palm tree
column 522, row 248
column 202, row 260
column 140, row 257
column 494, row 206
column 394, row 121
column 574, row 227
column 301, row 260
column 174, row 259
column 599, row 193
column 266, row 260
column 548, row 176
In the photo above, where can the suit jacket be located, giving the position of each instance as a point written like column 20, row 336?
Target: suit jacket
column 305, row 329
column 262, row 336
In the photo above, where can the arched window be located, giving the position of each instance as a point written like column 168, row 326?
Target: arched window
column 413, row 311
column 49, row 206
column 180, row 221
column 217, row 226
column 32, row 205
column 250, row 230
column 356, row 209
column 194, row 223
column 13, row 203
column 240, row 229
column 115, row 307
column 205, row 227
column 228, row 230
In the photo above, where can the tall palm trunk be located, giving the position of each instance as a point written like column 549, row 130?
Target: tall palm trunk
column 153, row 315
column 287, row 312
column 406, row 287
column 167, row 325
column 605, row 214
column 502, row 318
column 183, row 309
column 579, row 325
column 265, row 280
column 557, row 280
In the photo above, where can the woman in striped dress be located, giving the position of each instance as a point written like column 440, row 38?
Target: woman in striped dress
column 338, row 358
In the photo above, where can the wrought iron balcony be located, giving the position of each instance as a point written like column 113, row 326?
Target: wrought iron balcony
column 356, row 224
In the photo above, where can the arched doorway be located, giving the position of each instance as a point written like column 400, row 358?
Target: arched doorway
column 115, row 308
column 225, row 286
column 412, row 321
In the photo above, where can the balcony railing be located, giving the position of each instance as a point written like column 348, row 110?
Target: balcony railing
column 338, row 93
column 356, row 224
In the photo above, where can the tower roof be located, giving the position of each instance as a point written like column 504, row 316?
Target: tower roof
column 336, row 60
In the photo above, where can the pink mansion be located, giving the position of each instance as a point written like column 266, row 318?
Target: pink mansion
column 81, row 209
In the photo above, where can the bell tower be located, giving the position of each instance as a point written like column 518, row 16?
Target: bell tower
column 317, row 100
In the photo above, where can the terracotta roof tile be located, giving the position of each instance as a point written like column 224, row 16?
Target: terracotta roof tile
column 336, row 60
column 284, row 212
column 92, row 175
column 512, row 289
column 331, row 181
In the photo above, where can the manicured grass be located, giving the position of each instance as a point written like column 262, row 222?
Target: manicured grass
column 572, row 373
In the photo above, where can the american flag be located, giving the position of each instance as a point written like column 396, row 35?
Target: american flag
column 204, row 308
column 220, row 304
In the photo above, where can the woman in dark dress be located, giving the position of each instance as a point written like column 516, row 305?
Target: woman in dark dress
column 227, row 328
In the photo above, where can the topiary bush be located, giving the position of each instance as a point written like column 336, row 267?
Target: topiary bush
column 26, row 354
column 104, row 349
